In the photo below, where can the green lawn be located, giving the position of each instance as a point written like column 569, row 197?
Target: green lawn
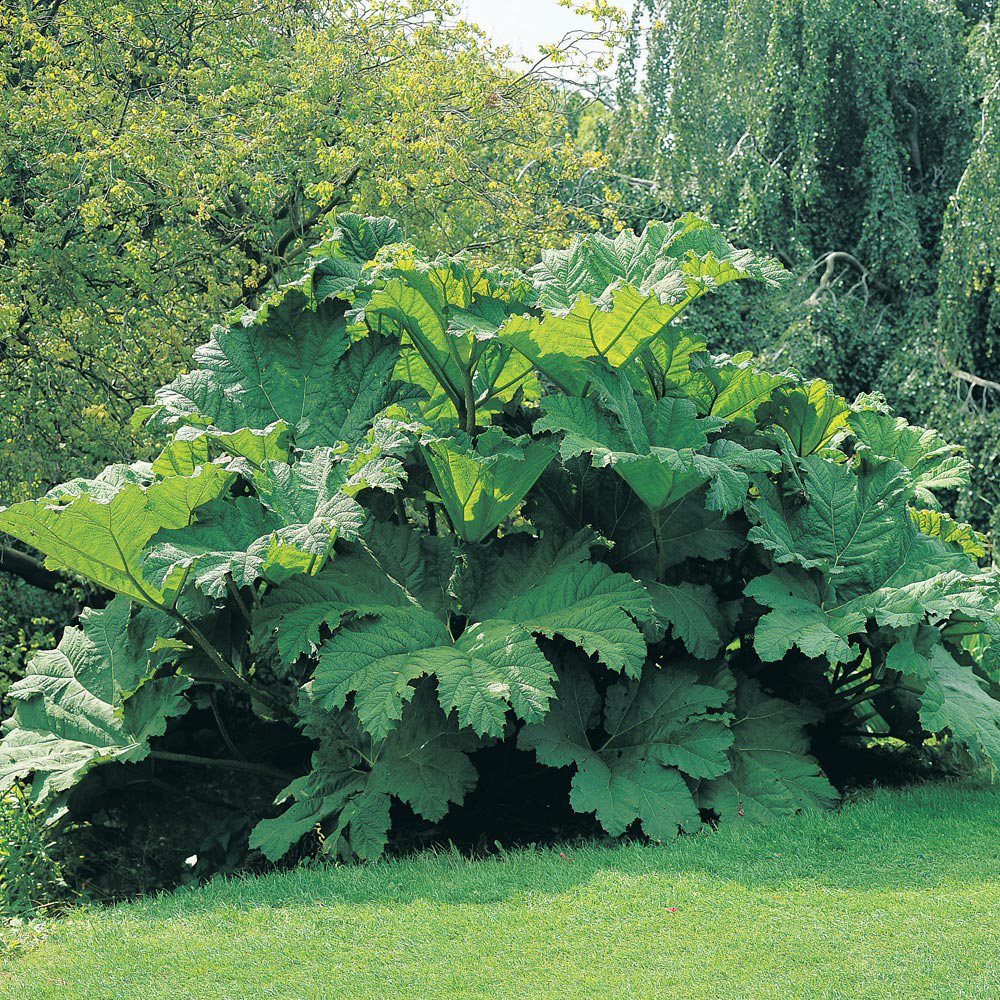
column 897, row 896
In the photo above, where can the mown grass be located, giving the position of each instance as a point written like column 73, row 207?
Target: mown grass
column 897, row 896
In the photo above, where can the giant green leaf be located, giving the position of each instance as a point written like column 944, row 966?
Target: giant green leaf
column 956, row 700
column 301, row 508
column 920, row 581
column 673, row 261
column 490, row 667
column 852, row 526
column 312, row 498
column 494, row 664
column 810, row 415
column 351, row 585
column 449, row 312
column 354, row 243
column 937, row 524
column 228, row 538
column 733, row 389
column 650, row 445
column 847, row 522
column 659, row 448
column 933, row 464
column 193, row 446
column 481, row 484
column 294, row 363
column 422, row 566
column 103, row 539
column 772, row 773
column 953, row 699
column 689, row 530
column 377, row 661
column 574, row 494
column 629, row 761
column 804, row 614
column 552, row 588
column 424, row 762
column 88, row 702
column 561, row 344
column 186, row 452
column 692, row 611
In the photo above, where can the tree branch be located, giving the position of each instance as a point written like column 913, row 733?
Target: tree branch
column 30, row 570
column 231, row 765
column 832, row 259
column 918, row 163
column 975, row 380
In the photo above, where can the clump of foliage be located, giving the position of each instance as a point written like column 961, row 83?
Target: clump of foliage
column 30, row 876
column 30, row 619
column 413, row 511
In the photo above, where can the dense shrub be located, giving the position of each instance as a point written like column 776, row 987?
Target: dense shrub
column 414, row 513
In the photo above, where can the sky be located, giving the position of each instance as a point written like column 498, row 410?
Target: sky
column 523, row 24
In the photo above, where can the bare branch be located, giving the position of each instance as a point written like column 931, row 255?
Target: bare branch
column 30, row 570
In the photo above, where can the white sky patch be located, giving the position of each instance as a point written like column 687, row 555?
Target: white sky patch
column 523, row 24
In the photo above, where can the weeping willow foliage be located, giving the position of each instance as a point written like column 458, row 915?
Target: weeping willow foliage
column 969, row 295
column 861, row 143
column 821, row 126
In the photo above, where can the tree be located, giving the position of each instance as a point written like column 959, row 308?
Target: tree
column 967, row 331
column 164, row 163
column 855, row 141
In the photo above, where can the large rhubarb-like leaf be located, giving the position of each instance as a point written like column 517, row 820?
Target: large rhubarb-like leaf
column 932, row 463
column 804, row 614
column 552, row 588
column 101, row 534
column 953, row 700
column 354, row 243
column 424, row 763
column 673, row 261
column 940, row 525
column 448, row 314
column 630, row 759
column 293, row 362
column 314, row 507
column 228, row 539
column 301, row 508
column 481, row 484
column 659, row 448
column 846, row 522
column 615, row 330
column 853, row 528
column 692, row 611
column 772, row 773
column 810, row 415
column 193, row 446
column 89, row 701
column 494, row 664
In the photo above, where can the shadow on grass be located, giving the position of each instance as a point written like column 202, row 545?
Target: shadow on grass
column 934, row 835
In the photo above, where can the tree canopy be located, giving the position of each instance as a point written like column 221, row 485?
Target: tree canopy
column 858, row 144
column 163, row 164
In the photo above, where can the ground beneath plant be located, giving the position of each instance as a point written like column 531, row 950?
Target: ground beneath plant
column 897, row 896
